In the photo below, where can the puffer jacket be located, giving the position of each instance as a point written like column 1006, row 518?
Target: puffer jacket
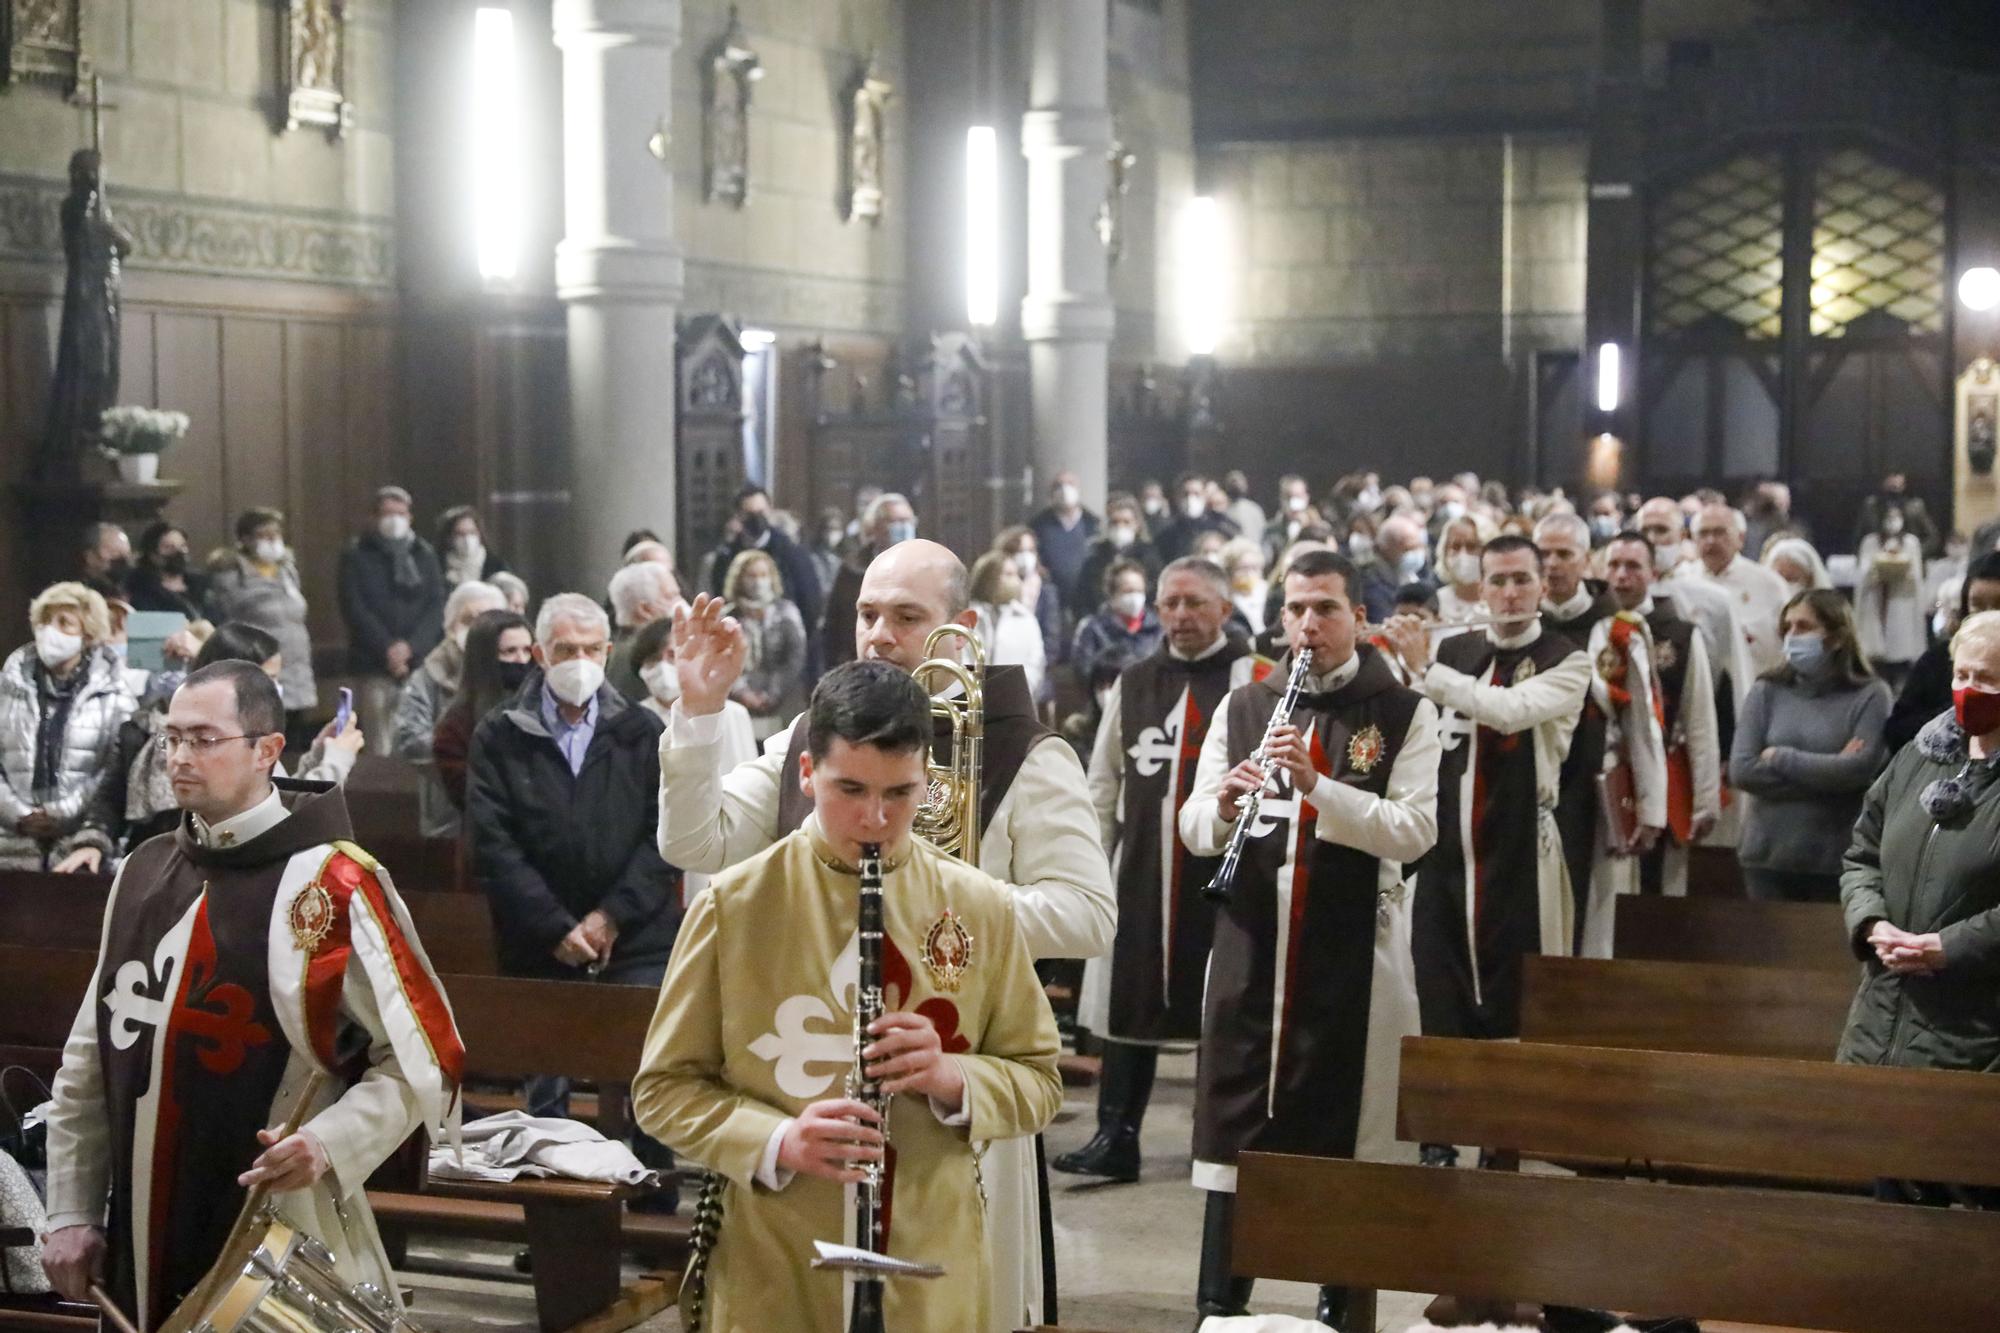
column 1928, row 875
column 274, row 603
column 89, row 752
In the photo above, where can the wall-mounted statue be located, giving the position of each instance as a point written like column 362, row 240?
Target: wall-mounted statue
column 1119, row 161
column 43, row 39
column 86, row 376
column 867, row 109
column 728, row 73
column 312, row 65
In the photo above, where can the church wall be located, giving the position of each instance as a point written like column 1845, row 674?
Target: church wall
column 1153, row 111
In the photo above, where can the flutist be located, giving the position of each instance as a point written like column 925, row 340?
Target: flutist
column 744, row 1066
column 1310, row 986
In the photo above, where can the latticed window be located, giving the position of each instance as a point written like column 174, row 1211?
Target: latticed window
column 1718, row 242
column 1878, row 244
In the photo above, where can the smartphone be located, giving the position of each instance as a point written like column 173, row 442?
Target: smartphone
column 344, row 713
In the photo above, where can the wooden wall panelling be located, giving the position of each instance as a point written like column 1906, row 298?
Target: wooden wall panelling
column 322, row 505
column 188, row 355
column 254, row 467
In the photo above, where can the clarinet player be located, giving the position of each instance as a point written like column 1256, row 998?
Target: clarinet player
column 744, row 1064
column 1311, row 988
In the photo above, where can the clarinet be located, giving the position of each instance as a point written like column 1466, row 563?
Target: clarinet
column 866, row 1316
column 1223, row 887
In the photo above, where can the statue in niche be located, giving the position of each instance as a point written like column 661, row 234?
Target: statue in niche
column 86, row 375
column 43, row 39
column 1119, row 161
column 867, row 106
column 313, row 67
column 732, row 68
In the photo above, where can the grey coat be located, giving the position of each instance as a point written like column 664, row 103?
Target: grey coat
column 1807, row 795
column 426, row 696
column 276, row 605
column 1926, row 874
column 89, row 751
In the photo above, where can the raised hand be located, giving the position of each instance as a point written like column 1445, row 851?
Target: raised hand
column 708, row 650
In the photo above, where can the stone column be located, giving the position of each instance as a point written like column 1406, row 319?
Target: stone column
column 1067, row 315
column 619, row 272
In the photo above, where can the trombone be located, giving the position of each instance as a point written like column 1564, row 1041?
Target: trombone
column 949, row 817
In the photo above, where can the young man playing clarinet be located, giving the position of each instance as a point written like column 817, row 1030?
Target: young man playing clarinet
column 744, row 1064
column 1311, row 988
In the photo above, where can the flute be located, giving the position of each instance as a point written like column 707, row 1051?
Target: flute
column 1221, row 888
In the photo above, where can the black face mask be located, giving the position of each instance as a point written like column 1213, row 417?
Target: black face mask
column 118, row 569
column 755, row 525
column 514, row 675
column 174, row 563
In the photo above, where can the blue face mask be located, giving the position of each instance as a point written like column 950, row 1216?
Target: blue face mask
column 901, row 530
column 1410, row 564
column 1805, row 652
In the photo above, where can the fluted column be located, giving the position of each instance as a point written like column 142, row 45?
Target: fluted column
column 619, row 272
column 1067, row 315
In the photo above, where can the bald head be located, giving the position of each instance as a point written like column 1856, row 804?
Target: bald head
column 908, row 591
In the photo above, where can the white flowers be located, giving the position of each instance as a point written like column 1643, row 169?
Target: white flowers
column 140, row 430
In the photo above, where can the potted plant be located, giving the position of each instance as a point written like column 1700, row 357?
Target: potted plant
column 132, row 437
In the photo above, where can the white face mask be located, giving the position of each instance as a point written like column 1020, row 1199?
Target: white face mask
column 393, row 527
column 271, row 550
column 755, row 591
column 1066, row 496
column 1665, row 558
column 467, row 544
column 1024, row 561
column 1154, row 504
column 576, row 681
column 1296, row 503
column 1121, row 535
column 1369, row 498
column 1195, row 506
column 1892, row 525
column 1464, row 567
column 663, row 681
column 1452, row 510
column 56, row 646
column 1129, row 604
column 1360, row 546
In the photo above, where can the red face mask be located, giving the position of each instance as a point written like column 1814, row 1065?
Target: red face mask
column 1978, row 711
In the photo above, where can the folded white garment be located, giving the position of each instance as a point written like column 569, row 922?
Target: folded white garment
column 514, row 1144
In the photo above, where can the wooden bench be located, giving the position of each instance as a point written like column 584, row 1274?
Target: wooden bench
column 1761, row 1256
column 1792, row 1014
column 1739, row 931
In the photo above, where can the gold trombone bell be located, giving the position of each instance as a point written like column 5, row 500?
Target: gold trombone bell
column 949, row 816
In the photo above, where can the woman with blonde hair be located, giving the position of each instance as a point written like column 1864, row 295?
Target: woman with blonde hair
column 1242, row 560
column 1457, row 564
column 62, row 700
column 773, row 684
column 1007, row 629
column 1808, row 743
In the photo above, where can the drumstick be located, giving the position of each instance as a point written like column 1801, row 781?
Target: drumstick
column 111, row 1310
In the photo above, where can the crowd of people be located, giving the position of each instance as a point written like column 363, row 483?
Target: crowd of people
column 1511, row 707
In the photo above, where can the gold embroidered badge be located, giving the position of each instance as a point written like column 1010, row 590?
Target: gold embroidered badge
column 1611, row 663
column 1524, row 672
column 947, row 952
column 1665, row 655
column 1364, row 749
column 311, row 917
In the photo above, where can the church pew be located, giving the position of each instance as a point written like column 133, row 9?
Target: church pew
column 1759, row 1256
column 1659, row 1112
column 1714, row 1008
column 1739, row 931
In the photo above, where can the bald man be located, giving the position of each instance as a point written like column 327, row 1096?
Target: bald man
column 1040, row 837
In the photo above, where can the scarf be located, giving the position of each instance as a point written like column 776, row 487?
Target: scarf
column 1942, row 741
column 402, row 561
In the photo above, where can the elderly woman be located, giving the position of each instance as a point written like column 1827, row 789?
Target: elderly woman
column 62, row 701
column 1808, row 743
column 259, row 585
column 1794, row 560
column 773, row 685
column 429, row 692
column 1921, row 889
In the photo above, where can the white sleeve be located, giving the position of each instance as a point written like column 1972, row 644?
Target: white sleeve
column 1401, row 824
column 709, row 819
column 1203, row 829
column 1507, row 709
column 1704, row 739
column 1058, row 875
column 769, row 1174
column 79, row 1127
column 1107, row 769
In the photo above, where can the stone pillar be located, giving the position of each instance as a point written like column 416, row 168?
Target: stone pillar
column 1067, row 315
column 619, row 273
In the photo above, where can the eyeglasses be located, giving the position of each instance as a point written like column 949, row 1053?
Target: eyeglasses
column 199, row 746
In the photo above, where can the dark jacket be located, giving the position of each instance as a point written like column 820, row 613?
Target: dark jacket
column 1103, row 639
column 547, row 847
column 146, row 593
column 1103, row 553
column 837, row 629
column 380, row 612
column 1063, row 551
column 1925, row 874
column 1926, row 693
column 1177, row 538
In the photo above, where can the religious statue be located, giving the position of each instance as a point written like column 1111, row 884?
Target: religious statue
column 86, row 378
column 731, row 69
column 314, row 70
column 43, row 39
column 1119, row 161
column 867, row 104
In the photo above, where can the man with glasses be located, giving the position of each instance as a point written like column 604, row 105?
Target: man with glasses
column 248, row 949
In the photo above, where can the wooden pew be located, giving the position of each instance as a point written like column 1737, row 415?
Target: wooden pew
column 1777, row 1119
column 1738, row 931
column 1704, row 1007
column 1760, row 1256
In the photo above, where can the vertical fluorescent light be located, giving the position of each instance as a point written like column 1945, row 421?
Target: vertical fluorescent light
column 1202, row 265
column 982, row 226
column 496, row 145
column 1607, row 377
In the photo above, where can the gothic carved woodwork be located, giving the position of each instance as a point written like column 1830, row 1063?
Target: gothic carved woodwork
column 1119, row 161
column 867, row 111
column 728, row 74
column 312, row 65
column 708, row 452
column 43, row 40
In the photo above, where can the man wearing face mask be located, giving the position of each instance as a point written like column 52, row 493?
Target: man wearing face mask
column 392, row 597
column 1064, row 532
column 107, row 559
column 755, row 532
column 1399, row 560
column 641, row 594
column 1196, row 517
column 1293, row 514
column 887, row 521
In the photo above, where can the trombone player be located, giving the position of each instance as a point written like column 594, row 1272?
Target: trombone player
column 1039, row 835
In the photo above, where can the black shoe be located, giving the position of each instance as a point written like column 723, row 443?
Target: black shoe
column 524, row 1261
column 1217, row 1291
column 1437, row 1154
column 1112, row 1155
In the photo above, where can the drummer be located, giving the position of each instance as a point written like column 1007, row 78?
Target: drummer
column 246, row 950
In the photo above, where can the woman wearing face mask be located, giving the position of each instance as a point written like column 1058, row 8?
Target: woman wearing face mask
column 772, row 686
column 1889, row 603
column 1039, row 596
column 1124, row 628
column 461, row 543
column 429, row 692
column 1794, row 560
column 259, row 585
column 499, row 654
column 163, row 581
column 61, row 704
column 1921, row 894
column 1123, row 537
column 1006, row 628
column 1243, row 561
column 1808, row 743
column 1460, row 597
